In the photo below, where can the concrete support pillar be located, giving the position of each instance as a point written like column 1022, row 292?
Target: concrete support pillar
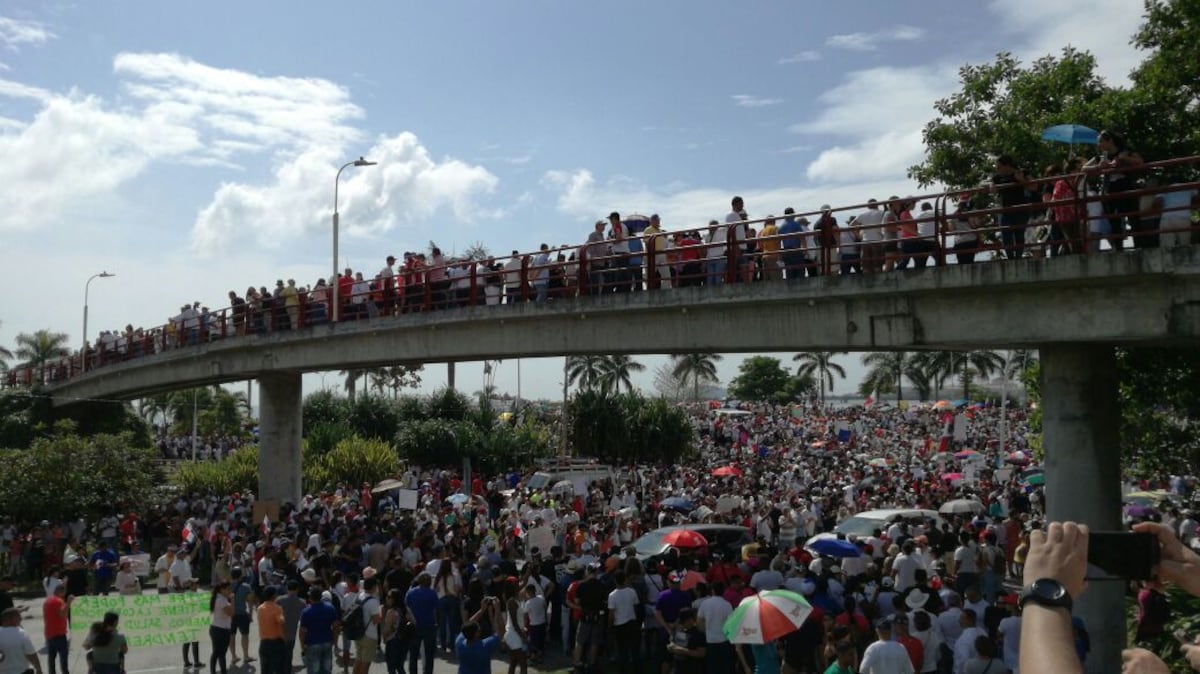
column 1081, row 425
column 450, row 375
column 279, row 416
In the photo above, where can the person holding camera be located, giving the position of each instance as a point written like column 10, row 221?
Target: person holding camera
column 1054, row 576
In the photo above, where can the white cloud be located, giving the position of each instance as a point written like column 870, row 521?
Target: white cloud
column 582, row 196
column 794, row 149
column 1102, row 27
column 78, row 148
column 15, row 32
column 862, row 41
column 801, row 57
column 747, row 101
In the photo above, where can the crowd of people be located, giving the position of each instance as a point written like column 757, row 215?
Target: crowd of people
column 483, row 561
column 206, row 447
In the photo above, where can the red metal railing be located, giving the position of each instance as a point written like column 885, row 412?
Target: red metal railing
column 711, row 255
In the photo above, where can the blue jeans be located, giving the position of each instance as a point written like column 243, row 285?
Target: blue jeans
column 450, row 622
column 318, row 658
column 424, row 638
column 542, row 290
column 57, row 647
column 716, row 271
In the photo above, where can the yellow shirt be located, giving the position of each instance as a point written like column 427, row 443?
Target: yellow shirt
column 270, row 621
column 769, row 246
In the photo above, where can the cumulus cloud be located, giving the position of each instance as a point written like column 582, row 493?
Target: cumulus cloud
column 78, row 147
column 801, row 57
column 1046, row 27
column 14, row 33
column 862, row 41
column 582, row 196
column 747, row 101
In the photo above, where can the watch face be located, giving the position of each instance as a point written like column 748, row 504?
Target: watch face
column 1049, row 589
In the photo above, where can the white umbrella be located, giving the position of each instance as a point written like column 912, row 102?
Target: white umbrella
column 563, row 487
column 387, row 485
column 961, row 506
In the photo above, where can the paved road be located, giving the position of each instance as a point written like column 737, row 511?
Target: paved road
column 163, row 659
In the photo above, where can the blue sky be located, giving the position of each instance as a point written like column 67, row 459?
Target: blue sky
column 191, row 147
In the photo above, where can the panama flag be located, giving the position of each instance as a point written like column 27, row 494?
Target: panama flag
column 188, row 533
column 519, row 531
column 871, row 399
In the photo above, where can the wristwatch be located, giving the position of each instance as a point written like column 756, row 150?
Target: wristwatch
column 1047, row 592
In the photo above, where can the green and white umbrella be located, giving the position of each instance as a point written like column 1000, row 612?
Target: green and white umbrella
column 765, row 617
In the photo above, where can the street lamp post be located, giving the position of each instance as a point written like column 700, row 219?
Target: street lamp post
column 86, row 288
column 334, row 280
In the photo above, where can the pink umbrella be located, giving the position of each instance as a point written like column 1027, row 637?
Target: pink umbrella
column 952, row 477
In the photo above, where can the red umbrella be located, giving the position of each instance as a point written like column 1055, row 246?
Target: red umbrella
column 726, row 471
column 685, row 538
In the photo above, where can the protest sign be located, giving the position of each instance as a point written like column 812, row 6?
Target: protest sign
column 147, row 619
column 406, row 499
column 139, row 564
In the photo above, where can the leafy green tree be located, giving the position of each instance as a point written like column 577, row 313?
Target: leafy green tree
column 761, row 378
column 1163, row 115
column 437, row 442
column 325, row 408
column 1160, row 407
column 698, row 367
column 64, row 476
column 887, row 370
column 448, row 404
column 615, row 373
column 374, row 417
column 820, row 366
column 41, row 347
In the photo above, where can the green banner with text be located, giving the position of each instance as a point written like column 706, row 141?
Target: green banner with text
column 147, row 619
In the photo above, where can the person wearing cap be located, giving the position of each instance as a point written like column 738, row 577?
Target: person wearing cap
column 885, row 656
column 687, row 645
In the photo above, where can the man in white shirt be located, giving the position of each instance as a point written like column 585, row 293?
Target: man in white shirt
column 512, row 278
column 904, row 568
column 17, row 653
column 964, row 646
column 769, row 578
column 885, row 656
column 868, row 223
column 1010, row 636
column 622, row 619
column 162, row 570
column 711, row 615
column 950, row 620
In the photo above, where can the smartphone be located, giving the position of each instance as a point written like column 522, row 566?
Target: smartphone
column 1122, row 555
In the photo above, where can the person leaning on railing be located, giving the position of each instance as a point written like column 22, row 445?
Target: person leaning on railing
column 1054, row 577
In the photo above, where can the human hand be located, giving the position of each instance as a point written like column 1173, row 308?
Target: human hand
column 1178, row 564
column 1060, row 553
column 1141, row 661
column 1192, row 653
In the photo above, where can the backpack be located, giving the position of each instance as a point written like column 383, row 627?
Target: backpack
column 354, row 626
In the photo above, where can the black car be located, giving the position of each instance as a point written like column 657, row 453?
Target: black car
column 727, row 539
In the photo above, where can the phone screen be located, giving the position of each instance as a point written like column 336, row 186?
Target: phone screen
column 1122, row 555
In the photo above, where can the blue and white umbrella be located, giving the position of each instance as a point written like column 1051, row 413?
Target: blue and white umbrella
column 1071, row 134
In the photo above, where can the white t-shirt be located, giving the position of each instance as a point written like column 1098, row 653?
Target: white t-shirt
column 370, row 608
column 15, row 649
column 867, row 221
column 621, row 602
column 886, row 657
column 965, row 559
column 766, row 579
column 964, row 647
column 535, row 608
column 713, row 611
column 905, row 568
column 181, row 571
column 948, row 622
column 219, row 617
column 162, row 572
column 1010, row 632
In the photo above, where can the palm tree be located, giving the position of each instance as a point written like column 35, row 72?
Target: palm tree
column 819, row 365
column 38, row 348
column 697, row 367
column 969, row 364
column 1017, row 360
column 887, row 370
column 585, row 371
column 351, row 384
column 5, row 354
column 616, row 371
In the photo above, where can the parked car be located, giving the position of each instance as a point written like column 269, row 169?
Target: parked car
column 725, row 538
column 865, row 523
